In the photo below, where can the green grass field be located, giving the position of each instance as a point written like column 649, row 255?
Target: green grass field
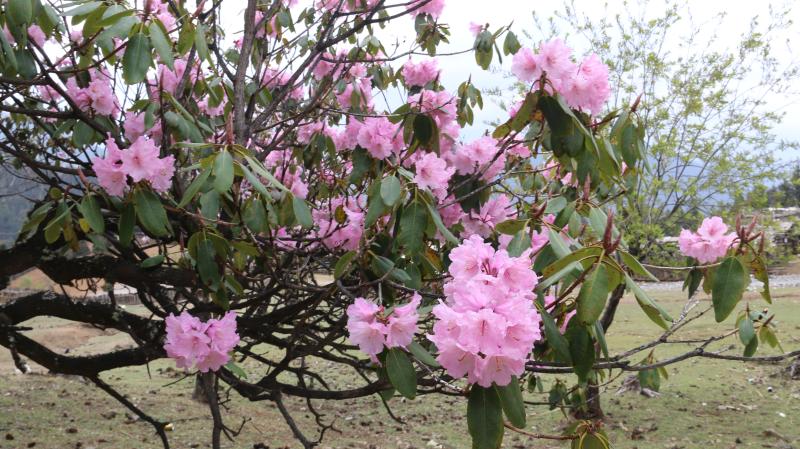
column 704, row 404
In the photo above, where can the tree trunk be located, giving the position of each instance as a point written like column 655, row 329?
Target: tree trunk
column 199, row 394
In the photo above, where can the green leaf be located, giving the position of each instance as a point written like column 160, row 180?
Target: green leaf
column 19, row 12
column 746, row 330
column 485, row 418
column 424, row 129
column 512, row 403
column 137, row 59
column 766, row 335
column 750, row 348
column 422, row 354
column 90, row 210
column 401, row 372
column 654, row 311
column 386, row 266
column 560, row 248
column 593, row 295
column 759, row 267
column 201, row 44
column 557, row 342
column 162, row 44
column 206, row 265
column 589, row 252
column 194, row 187
column 223, row 171
column 511, row 45
column 635, row 266
column 390, row 190
column 302, row 213
column 375, row 205
column 510, row 227
column 151, row 213
column 519, row 244
column 581, row 350
column 692, row 281
column 127, row 220
column 730, row 281
column 343, row 264
column 83, row 9
column 151, row 262
column 264, row 173
column 412, row 227
column 437, row 220
column 236, row 370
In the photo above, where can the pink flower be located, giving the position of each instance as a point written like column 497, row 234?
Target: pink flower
column 212, row 111
column 77, row 95
column 192, row 342
column 37, row 35
column 525, row 66
column 487, row 327
column 186, row 340
column 588, row 89
column 134, row 125
column 440, row 105
column 101, row 97
column 475, row 28
column 335, row 235
column 554, row 58
column 140, row 160
column 75, row 36
column 362, row 89
column 421, row 73
column 363, row 328
column 108, row 170
column 709, row 243
column 481, row 154
column 222, row 333
column 402, row 324
column 432, row 173
column 168, row 80
column 432, row 7
column 161, row 177
column 380, row 137
column 497, row 210
column 371, row 331
column 48, row 94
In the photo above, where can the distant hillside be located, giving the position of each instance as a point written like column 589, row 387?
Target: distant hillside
column 16, row 196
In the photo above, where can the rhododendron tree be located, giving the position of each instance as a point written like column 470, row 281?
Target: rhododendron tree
column 295, row 183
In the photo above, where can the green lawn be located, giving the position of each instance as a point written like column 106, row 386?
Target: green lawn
column 704, row 404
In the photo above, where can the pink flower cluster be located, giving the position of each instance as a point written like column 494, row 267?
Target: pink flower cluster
column 140, row 161
column 370, row 329
column 488, row 325
column 421, row 73
column 205, row 345
column 432, row 173
column 432, row 7
column 98, row 96
column 287, row 172
column 583, row 86
column 380, row 137
column 335, row 235
column 709, row 243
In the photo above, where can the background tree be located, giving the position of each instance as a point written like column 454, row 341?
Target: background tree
column 705, row 103
column 266, row 193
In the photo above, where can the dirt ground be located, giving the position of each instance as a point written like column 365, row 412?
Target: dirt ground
column 704, row 404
